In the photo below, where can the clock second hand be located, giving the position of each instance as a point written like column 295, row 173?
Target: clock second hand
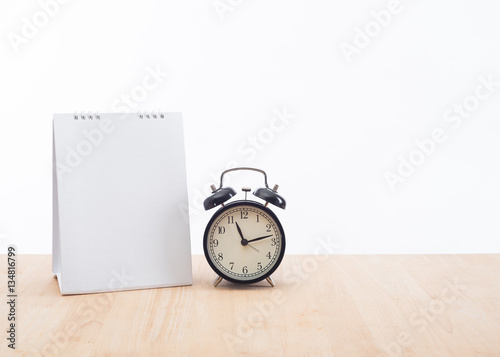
column 253, row 248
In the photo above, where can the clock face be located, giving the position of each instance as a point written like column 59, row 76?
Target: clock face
column 244, row 242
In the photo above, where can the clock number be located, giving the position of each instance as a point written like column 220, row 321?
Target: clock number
column 232, row 265
column 222, row 230
column 215, row 243
column 268, row 226
column 273, row 242
column 244, row 215
column 257, row 218
column 245, row 269
column 259, row 266
column 268, row 255
column 230, row 219
column 221, row 257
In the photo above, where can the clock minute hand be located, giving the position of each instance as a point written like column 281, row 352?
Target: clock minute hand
column 256, row 239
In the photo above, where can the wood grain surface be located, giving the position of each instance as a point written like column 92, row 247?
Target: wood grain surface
column 336, row 305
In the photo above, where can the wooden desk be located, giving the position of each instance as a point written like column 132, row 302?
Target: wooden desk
column 432, row 305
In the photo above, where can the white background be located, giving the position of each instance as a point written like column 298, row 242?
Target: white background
column 352, row 118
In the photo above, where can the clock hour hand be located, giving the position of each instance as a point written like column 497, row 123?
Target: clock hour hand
column 256, row 239
column 239, row 231
column 243, row 240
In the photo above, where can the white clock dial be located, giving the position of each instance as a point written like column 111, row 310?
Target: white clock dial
column 244, row 242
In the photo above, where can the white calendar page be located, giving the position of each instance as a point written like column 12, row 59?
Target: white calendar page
column 119, row 183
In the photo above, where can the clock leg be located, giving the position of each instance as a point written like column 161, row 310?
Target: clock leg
column 270, row 281
column 217, row 281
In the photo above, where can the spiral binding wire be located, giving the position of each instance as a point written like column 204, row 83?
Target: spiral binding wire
column 97, row 115
column 151, row 115
column 86, row 116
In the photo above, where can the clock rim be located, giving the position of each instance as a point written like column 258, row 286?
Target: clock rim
column 244, row 203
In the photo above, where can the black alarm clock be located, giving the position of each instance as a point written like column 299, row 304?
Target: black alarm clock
column 244, row 241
